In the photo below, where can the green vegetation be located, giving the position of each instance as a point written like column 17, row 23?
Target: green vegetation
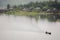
column 36, row 9
column 36, row 15
column 22, row 13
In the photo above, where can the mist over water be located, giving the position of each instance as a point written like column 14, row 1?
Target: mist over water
column 26, row 28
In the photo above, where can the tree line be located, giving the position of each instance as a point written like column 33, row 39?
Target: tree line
column 44, row 4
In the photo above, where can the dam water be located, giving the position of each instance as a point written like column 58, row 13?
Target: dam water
column 26, row 28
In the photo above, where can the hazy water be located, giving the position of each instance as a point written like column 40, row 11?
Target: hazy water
column 26, row 28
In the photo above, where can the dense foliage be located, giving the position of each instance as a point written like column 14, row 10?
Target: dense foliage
column 44, row 4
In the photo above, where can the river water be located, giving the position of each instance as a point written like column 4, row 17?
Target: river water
column 26, row 28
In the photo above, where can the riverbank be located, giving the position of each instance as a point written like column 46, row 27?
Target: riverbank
column 23, row 13
column 20, row 13
column 34, row 14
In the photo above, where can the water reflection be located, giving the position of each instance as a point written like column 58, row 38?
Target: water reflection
column 26, row 28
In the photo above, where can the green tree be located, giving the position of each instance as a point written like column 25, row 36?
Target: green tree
column 14, row 7
column 56, row 1
column 8, row 6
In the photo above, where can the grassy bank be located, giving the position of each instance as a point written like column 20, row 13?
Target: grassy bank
column 30, row 14
column 21, row 13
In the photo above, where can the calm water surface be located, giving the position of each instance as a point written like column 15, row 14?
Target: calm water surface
column 26, row 28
